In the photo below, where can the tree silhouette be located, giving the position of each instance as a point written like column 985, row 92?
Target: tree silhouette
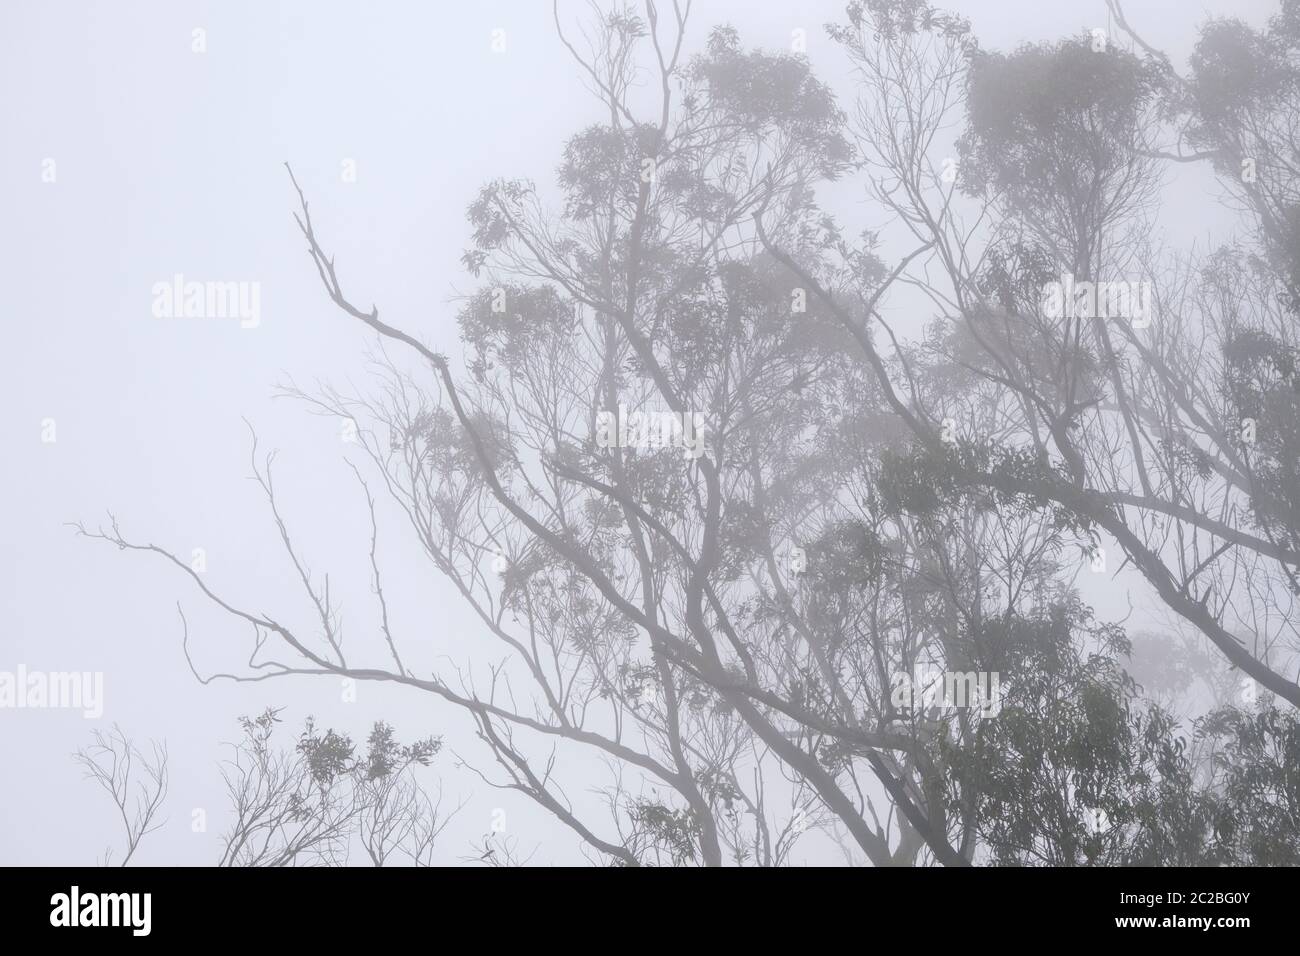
column 725, row 621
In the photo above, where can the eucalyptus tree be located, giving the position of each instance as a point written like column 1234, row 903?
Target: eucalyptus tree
column 710, row 505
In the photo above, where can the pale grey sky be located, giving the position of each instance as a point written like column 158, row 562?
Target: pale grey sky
column 168, row 161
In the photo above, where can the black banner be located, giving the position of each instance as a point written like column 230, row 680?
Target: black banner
column 336, row 905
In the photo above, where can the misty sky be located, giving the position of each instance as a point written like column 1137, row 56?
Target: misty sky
column 167, row 162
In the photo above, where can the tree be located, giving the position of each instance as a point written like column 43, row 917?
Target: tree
column 113, row 762
column 304, row 807
column 1128, row 435
column 712, row 506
